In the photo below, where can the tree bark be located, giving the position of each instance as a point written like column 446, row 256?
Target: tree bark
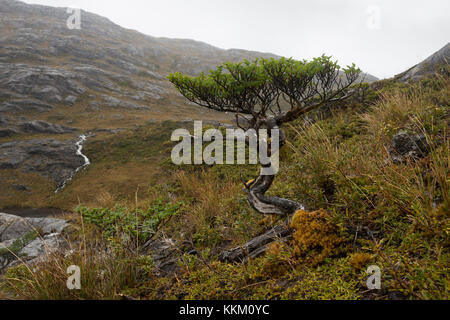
column 256, row 193
column 256, row 190
column 269, row 204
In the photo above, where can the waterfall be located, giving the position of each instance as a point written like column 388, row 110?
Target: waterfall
column 87, row 162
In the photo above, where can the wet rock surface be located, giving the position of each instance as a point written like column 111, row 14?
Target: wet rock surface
column 50, row 158
column 4, row 121
column 23, row 105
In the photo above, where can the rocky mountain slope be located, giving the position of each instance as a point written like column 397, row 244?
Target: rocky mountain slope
column 58, row 80
column 428, row 66
column 45, row 64
column 55, row 80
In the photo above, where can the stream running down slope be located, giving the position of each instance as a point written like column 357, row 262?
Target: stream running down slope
column 79, row 152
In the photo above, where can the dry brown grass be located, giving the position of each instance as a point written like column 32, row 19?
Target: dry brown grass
column 105, row 199
column 409, row 108
column 393, row 111
column 98, row 185
column 41, row 189
column 120, row 181
column 215, row 204
column 103, row 186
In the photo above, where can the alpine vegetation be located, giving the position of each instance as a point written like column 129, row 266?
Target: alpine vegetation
column 267, row 94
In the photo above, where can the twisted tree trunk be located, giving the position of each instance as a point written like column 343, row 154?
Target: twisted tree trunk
column 256, row 194
column 269, row 204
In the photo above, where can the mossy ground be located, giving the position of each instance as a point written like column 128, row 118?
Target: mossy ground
column 363, row 210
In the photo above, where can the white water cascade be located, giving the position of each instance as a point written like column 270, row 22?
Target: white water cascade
column 87, row 162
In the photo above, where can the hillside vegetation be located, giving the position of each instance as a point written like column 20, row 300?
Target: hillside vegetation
column 158, row 233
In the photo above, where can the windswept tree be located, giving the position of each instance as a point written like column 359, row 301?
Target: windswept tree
column 266, row 94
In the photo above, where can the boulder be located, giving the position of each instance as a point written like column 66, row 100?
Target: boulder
column 13, row 227
column 20, row 187
column 70, row 100
column 28, row 239
column 408, row 147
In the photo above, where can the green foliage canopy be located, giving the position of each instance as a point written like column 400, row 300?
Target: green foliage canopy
column 261, row 88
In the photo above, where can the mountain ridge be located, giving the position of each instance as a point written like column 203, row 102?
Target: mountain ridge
column 427, row 66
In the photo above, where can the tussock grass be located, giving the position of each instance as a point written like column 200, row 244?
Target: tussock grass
column 106, row 272
column 217, row 212
column 399, row 212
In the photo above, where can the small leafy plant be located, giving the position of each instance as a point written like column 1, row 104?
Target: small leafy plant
column 135, row 225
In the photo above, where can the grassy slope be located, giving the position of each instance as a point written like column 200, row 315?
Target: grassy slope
column 89, row 182
column 364, row 210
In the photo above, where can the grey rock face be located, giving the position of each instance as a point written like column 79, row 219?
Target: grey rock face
column 40, row 246
column 113, row 102
column 70, row 100
column 104, row 59
column 45, row 127
column 13, row 227
column 32, row 127
column 4, row 121
column 43, row 61
column 44, row 83
column 7, row 132
column 408, row 147
column 50, row 158
column 29, row 238
column 24, row 105
column 428, row 66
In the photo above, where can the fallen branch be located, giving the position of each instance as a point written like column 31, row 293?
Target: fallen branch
column 257, row 246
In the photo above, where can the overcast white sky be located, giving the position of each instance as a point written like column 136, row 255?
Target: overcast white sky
column 383, row 37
